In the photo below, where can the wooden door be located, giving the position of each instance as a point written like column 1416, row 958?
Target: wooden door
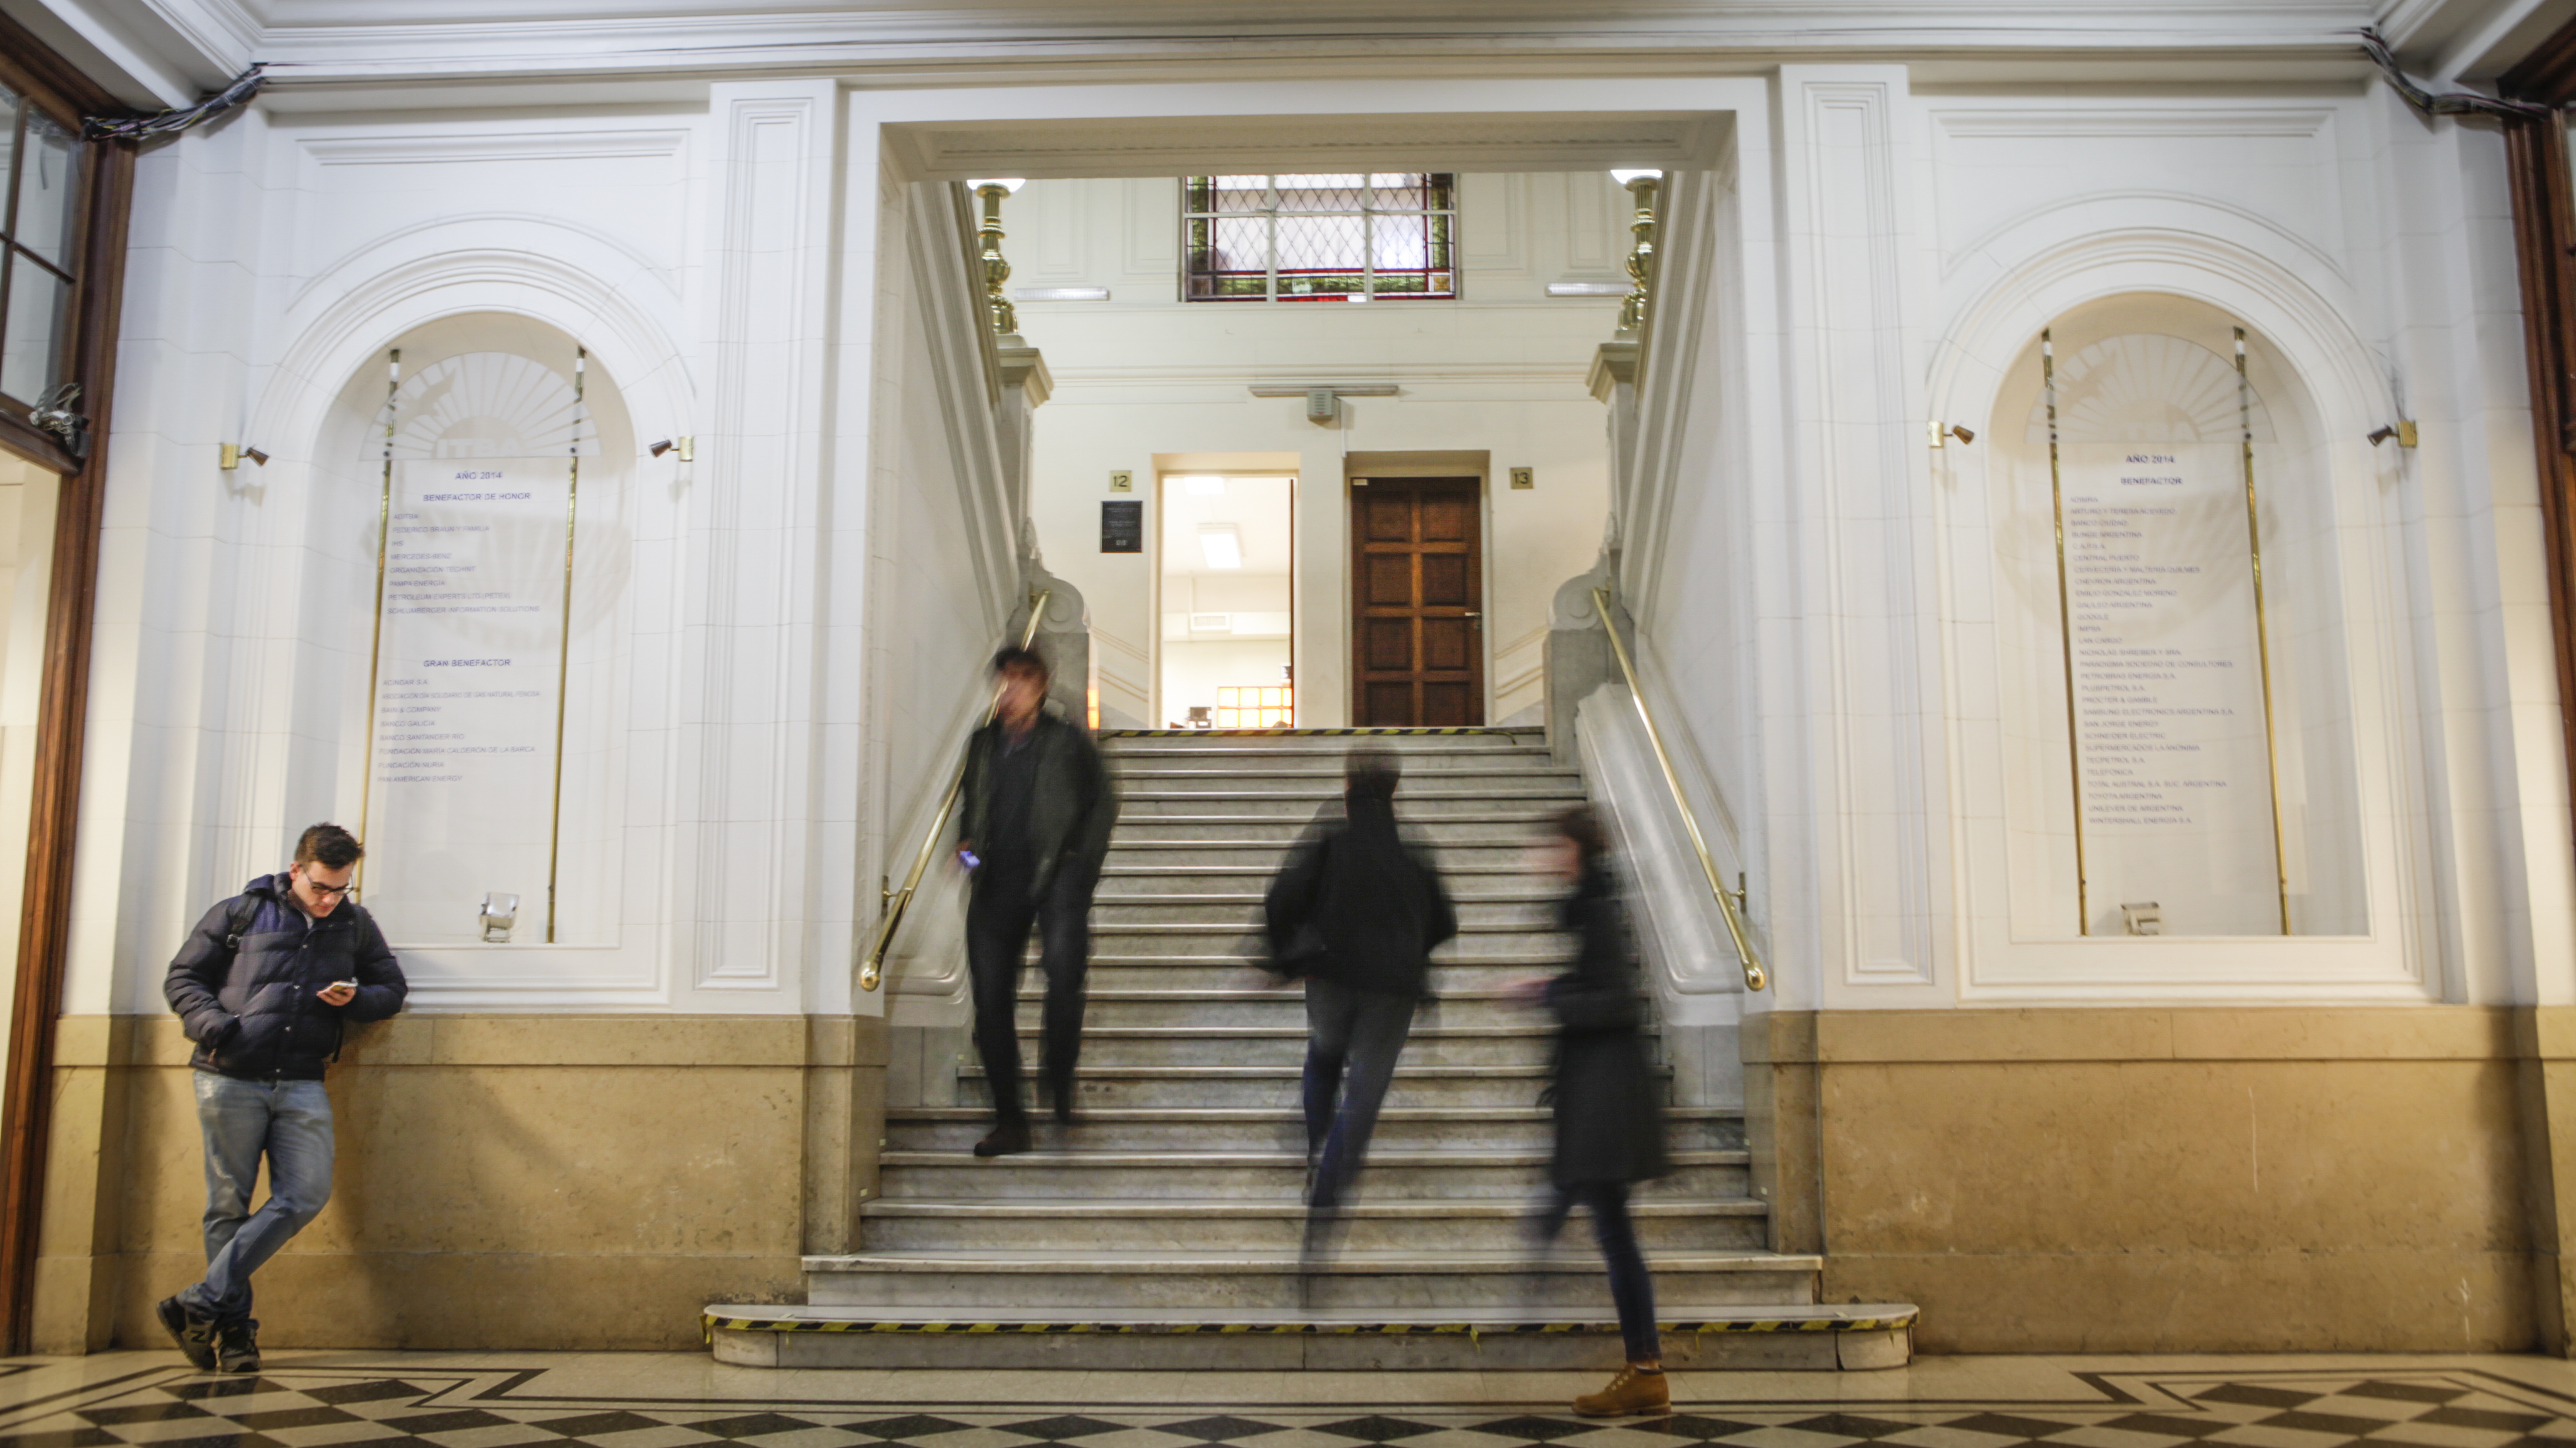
column 1417, row 601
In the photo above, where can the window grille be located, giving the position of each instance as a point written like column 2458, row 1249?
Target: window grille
column 39, row 238
column 1324, row 238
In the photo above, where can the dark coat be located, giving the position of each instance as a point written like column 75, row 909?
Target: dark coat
column 256, row 1012
column 1609, row 1106
column 1072, row 811
column 1359, row 906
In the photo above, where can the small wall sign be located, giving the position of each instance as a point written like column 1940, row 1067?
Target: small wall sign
column 1524, row 477
column 1122, row 526
column 1122, row 482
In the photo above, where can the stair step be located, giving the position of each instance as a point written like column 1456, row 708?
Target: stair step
column 1280, row 1126
column 1277, row 1227
column 1770, row 1337
column 1251, row 1175
column 1444, row 1045
column 1341, row 1281
column 1103, row 1087
column 1263, row 1006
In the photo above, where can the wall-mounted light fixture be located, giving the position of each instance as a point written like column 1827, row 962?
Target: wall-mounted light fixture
column 687, row 447
column 1641, row 251
column 2403, row 431
column 500, row 912
column 229, row 456
column 988, row 237
column 1941, row 434
column 1323, row 399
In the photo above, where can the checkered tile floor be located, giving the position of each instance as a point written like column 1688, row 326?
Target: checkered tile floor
column 326, row 1408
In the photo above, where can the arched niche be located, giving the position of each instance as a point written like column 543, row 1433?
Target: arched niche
column 475, row 523
column 2171, row 652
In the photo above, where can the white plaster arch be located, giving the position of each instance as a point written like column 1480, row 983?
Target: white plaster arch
column 2025, row 277
column 2053, row 262
column 613, row 301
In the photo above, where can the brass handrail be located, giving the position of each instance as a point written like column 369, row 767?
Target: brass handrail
column 1755, row 977
column 872, row 969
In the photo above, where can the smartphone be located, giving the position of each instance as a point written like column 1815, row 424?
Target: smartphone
column 351, row 984
column 970, row 859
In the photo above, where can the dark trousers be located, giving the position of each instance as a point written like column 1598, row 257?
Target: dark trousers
column 1630, row 1288
column 1352, row 1040
column 998, row 916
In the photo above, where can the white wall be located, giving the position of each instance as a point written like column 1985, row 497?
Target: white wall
column 1850, row 259
column 1499, row 371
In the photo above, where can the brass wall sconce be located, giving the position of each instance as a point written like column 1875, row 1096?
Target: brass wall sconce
column 2403, row 431
column 1941, row 435
column 1641, row 251
column 988, row 237
column 229, row 456
column 687, row 447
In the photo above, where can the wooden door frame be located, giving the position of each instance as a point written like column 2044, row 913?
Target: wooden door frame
column 1461, row 463
column 1441, row 468
column 2544, row 233
column 26, row 1099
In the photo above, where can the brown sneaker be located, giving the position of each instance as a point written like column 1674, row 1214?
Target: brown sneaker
column 1635, row 1390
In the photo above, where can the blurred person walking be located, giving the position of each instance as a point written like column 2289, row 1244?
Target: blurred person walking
column 1357, row 912
column 1039, row 806
column 265, row 985
column 1608, row 1110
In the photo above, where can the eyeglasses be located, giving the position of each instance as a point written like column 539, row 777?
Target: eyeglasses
column 327, row 891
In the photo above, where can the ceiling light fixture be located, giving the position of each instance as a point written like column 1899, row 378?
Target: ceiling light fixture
column 1221, row 544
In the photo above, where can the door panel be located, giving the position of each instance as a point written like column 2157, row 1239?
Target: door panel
column 1419, row 578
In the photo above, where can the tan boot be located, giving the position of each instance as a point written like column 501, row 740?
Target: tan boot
column 1637, row 1389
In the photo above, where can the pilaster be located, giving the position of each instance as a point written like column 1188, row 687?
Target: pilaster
column 749, row 704
column 1850, row 379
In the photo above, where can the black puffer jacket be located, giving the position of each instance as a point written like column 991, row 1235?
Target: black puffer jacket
column 1609, row 1109
column 257, row 1013
column 1373, row 902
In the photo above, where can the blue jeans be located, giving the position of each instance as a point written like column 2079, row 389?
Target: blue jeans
column 1352, row 1040
column 289, row 1122
column 1630, row 1288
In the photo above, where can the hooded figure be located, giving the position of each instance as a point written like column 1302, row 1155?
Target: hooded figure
column 1357, row 912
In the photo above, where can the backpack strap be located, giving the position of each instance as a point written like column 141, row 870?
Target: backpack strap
column 238, row 923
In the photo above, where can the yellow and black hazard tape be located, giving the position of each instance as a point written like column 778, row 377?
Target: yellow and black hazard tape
column 1293, row 1329
column 1318, row 733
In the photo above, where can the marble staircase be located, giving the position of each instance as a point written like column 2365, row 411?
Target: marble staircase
column 1163, row 1228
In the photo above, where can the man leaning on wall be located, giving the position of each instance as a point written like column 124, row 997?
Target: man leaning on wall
column 264, row 985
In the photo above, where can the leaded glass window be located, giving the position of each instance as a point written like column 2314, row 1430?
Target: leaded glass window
column 1322, row 238
column 39, row 235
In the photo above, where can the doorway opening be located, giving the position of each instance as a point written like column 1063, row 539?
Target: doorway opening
column 1227, row 552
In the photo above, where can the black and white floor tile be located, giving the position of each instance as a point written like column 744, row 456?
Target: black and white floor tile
column 392, row 1406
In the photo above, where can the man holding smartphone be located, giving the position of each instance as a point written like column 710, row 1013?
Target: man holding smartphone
column 264, row 986
column 1038, row 808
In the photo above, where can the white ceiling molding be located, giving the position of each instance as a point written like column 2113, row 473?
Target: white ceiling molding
column 1422, row 140
column 324, row 43
column 529, row 146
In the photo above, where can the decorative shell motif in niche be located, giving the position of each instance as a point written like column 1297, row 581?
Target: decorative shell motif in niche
column 483, row 405
column 2145, row 387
